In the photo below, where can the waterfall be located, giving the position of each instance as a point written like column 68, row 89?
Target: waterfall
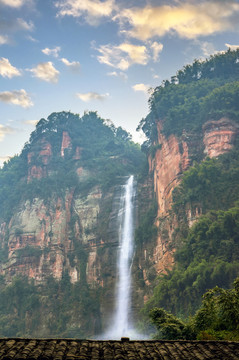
column 125, row 221
column 126, row 238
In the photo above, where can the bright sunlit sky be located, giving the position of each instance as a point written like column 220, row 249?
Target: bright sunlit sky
column 82, row 55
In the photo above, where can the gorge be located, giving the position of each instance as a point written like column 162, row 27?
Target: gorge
column 62, row 201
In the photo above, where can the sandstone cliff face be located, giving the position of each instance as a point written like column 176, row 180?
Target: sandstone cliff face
column 42, row 235
column 219, row 136
column 172, row 158
column 42, row 157
column 38, row 226
column 66, row 142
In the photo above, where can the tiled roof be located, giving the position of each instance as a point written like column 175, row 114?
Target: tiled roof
column 67, row 349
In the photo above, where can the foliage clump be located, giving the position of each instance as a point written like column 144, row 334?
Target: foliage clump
column 216, row 319
column 56, row 309
column 106, row 154
column 205, row 90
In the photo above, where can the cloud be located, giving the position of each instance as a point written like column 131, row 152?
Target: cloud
column 141, row 87
column 232, row 47
column 123, row 56
column 23, row 25
column 29, row 37
column 31, row 122
column 186, row 19
column 207, row 48
column 46, row 72
column 157, row 49
column 112, row 73
column 92, row 96
column 118, row 74
column 12, row 24
column 3, row 39
column 74, row 65
column 4, row 158
column 14, row 3
column 5, row 130
column 16, row 97
column 7, row 70
column 92, row 10
column 52, row 52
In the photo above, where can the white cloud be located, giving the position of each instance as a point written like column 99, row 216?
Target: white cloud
column 29, row 37
column 157, row 49
column 187, row 19
column 14, row 3
column 118, row 74
column 5, row 130
column 16, row 97
column 232, row 47
column 92, row 10
column 7, row 70
column 123, row 56
column 207, row 48
column 3, row 39
column 112, row 73
column 13, row 24
column 4, row 158
column 91, row 96
column 74, row 65
column 24, row 25
column 141, row 87
column 52, row 52
column 31, row 122
column 46, row 72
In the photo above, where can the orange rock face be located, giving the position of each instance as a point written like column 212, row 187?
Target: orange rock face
column 219, row 136
column 66, row 142
column 39, row 227
column 43, row 156
column 168, row 164
column 36, row 172
column 77, row 155
column 170, row 161
column 46, row 152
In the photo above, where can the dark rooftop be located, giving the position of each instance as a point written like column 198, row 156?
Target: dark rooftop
column 68, row 349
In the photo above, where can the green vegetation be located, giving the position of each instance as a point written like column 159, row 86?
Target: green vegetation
column 206, row 254
column 208, row 257
column 106, row 152
column 211, row 185
column 204, row 90
column 28, row 251
column 56, row 308
column 147, row 230
column 216, row 319
column 99, row 155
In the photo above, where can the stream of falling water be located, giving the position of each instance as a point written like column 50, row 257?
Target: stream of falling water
column 126, row 239
column 122, row 325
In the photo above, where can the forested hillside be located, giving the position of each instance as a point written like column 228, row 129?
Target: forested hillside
column 57, row 236
column 198, row 110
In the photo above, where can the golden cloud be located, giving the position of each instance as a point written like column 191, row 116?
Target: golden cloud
column 16, row 97
column 188, row 20
column 123, row 56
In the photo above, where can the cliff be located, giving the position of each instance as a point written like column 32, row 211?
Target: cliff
column 59, row 229
column 170, row 161
column 192, row 149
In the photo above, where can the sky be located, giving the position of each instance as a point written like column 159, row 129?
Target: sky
column 104, row 56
